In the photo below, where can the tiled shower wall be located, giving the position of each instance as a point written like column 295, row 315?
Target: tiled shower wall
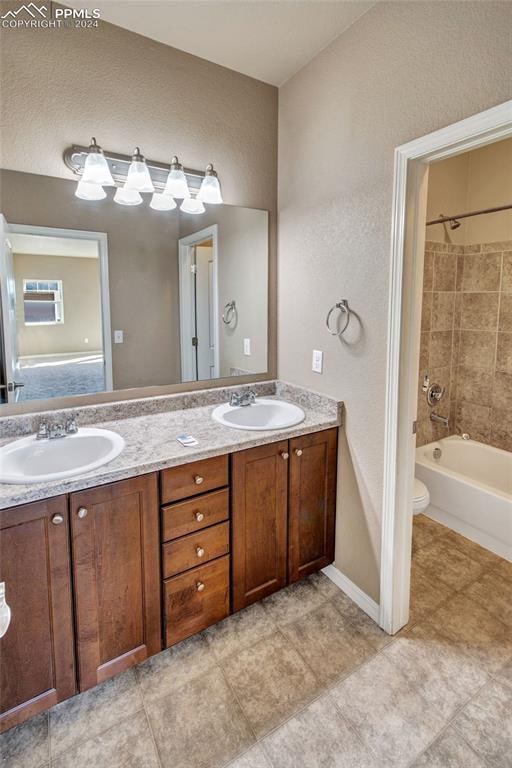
column 466, row 341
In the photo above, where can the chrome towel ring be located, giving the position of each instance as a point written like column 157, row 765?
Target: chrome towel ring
column 344, row 309
column 229, row 312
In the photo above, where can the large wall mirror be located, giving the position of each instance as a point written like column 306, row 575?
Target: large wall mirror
column 98, row 297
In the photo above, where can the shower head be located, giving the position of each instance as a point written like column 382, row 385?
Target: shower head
column 454, row 224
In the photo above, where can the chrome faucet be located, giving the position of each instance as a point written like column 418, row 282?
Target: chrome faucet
column 56, row 431
column 440, row 419
column 242, row 398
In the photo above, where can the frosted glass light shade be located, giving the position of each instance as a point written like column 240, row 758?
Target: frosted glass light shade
column 192, row 205
column 87, row 191
column 96, row 170
column 176, row 185
column 125, row 196
column 210, row 188
column 162, row 202
column 138, row 177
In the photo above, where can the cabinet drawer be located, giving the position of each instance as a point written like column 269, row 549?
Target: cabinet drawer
column 194, row 514
column 196, row 548
column 190, row 479
column 196, row 599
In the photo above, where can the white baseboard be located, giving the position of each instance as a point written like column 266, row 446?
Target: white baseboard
column 356, row 594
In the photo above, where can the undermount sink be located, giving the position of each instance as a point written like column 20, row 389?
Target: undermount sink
column 37, row 461
column 261, row 415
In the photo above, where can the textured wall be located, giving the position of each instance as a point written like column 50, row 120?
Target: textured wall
column 401, row 71
column 62, row 86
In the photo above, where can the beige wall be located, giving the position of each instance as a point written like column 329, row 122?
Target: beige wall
column 243, row 276
column 127, row 89
column 81, row 330
column 470, row 182
column 401, row 71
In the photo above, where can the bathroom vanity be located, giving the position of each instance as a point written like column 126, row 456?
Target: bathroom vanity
column 107, row 573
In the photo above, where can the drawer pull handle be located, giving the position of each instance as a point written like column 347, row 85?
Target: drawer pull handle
column 82, row 512
column 199, row 586
column 198, row 479
column 199, row 551
column 298, row 451
column 57, row 519
column 285, row 455
column 199, row 517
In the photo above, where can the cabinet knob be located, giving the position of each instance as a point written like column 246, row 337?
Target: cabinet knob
column 199, row 586
column 285, row 455
column 82, row 512
column 199, row 551
column 199, row 516
column 298, row 451
column 198, row 479
column 57, row 519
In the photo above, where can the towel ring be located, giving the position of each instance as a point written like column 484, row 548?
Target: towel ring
column 229, row 312
column 344, row 309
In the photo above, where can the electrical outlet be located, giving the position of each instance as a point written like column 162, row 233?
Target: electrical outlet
column 247, row 346
column 318, row 361
column 118, row 337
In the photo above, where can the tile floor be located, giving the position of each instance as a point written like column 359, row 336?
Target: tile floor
column 306, row 680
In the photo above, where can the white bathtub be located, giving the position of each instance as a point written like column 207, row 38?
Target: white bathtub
column 470, row 490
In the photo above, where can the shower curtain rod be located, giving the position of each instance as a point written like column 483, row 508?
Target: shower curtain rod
column 442, row 219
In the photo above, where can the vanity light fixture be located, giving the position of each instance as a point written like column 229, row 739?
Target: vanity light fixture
column 210, row 187
column 139, row 178
column 96, row 169
column 192, row 205
column 176, row 184
column 87, row 191
column 125, row 196
column 162, row 202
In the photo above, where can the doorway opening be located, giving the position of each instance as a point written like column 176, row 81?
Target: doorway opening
column 412, row 163
column 55, row 313
column 199, row 325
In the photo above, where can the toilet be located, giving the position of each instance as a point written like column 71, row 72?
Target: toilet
column 421, row 497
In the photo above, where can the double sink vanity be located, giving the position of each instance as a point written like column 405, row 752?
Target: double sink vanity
column 117, row 541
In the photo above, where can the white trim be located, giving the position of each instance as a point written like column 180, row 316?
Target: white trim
column 360, row 598
column 187, row 299
column 408, row 217
column 101, row 240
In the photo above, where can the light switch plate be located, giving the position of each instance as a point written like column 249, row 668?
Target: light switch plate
column 118, row 337
column 247, row 346
column 318, row 361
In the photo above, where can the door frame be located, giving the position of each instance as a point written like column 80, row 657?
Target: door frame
column 404, row 322
column 186, row 287
column 102, row 242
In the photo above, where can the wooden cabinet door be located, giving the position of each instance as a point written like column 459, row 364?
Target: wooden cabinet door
column 36, row 653
column 259, row 528
column 312, row 505
column 116, row 569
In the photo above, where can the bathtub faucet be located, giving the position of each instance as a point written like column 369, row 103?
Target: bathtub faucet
column 439, row 419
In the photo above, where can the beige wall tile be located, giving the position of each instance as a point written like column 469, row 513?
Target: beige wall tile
column 475, row 385
column 505, row 318
column 445, row 272
column 428, row 271
column 481, row 272
column 479, row 311
column 503, row 391
column 443, row 307
column 506, row 280
column 475, row 419
column 424, row 352
column 426, row 311
column 440, row 348
column 504, row 353
column 477, row 349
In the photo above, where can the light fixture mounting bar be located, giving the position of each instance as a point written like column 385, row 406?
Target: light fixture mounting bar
column 74, row 158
